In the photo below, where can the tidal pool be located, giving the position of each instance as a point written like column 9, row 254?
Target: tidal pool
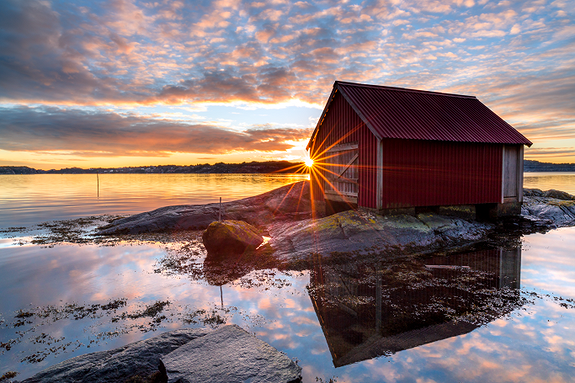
column 492, row 314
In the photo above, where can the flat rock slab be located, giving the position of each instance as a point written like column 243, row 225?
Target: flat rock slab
column 229, row 354
column 363, row 232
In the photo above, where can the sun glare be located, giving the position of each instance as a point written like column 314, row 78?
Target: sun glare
column 309, row 162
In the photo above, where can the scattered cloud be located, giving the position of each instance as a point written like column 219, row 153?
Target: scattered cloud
column 515, row 56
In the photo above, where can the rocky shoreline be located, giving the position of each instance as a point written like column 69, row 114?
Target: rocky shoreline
column 285, row 216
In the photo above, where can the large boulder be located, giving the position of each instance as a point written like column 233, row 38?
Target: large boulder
column 231, row 237
column 228, row 355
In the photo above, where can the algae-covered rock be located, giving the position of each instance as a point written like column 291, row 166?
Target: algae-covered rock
column 361, row 231
column 231, row 237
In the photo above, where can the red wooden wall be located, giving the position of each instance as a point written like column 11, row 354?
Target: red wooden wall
column 433, row 173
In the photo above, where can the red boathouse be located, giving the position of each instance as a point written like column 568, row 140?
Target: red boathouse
column 395, row 149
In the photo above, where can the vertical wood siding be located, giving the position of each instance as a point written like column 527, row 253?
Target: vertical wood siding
column 434, row 173
column 343, row 126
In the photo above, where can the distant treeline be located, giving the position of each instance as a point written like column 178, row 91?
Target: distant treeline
column 246, row 167
column 536, row 166
column 221, row 168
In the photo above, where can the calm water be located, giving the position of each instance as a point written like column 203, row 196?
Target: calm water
column 490, row 315
column 564, row 181
column 30, row 199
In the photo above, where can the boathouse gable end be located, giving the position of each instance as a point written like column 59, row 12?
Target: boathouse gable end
column 391, row 148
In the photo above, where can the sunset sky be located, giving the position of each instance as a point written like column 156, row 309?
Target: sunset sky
column 134, row 83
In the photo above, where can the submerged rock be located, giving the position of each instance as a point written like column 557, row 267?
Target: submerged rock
column 227, row 355
column 233, row 237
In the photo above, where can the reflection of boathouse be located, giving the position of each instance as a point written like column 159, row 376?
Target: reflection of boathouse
column 371, row 310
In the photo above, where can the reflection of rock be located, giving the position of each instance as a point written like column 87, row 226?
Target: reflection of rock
column 231, row 237
column 228, row 355
column 220, row 270
column 369, row 309
column 290, row 202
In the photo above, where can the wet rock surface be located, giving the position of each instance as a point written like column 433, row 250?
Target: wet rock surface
column 548, row 209
column 231, row 237
column 227, row 355
column 138, row 359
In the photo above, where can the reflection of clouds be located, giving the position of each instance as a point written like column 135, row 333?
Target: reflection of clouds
column 549, row 264
column 530, row 346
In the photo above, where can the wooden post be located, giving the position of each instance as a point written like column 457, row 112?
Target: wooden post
column 220, row 219
column 98, row 183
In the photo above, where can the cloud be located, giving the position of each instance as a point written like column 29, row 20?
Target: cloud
column 517, row 56
column 49, row 129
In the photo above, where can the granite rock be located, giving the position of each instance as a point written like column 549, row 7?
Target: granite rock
column 228, row 355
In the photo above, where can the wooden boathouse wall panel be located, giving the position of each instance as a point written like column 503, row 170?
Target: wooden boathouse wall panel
column 340, row 129
column 435, row 173
column 368, row 169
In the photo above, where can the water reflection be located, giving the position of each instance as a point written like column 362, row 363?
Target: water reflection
column 370, row 310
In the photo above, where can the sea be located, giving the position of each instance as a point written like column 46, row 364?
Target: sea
column 487, row 314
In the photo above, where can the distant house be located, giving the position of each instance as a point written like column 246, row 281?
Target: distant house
column 402, row 150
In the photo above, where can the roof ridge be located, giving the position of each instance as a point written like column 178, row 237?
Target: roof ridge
column 397, row 89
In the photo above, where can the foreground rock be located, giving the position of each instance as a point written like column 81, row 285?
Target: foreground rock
column 135, row 359
column 287, row 203
column 243, row 359
column 231, row 237
column 228, row 354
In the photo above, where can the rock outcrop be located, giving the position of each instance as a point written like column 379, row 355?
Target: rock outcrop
column 287, row 203
column 231, row 237
column 285, row 215
column 551, row 209
column 363, row 231
column 228, row 354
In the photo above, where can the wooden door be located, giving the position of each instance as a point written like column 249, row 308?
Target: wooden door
column 510, row 171
column 341, row 176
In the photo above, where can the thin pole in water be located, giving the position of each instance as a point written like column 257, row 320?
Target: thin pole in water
column 98, row 183
column 222, row 296
column 220, row 219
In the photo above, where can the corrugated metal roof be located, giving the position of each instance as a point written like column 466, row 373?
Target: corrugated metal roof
column 421, row 115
